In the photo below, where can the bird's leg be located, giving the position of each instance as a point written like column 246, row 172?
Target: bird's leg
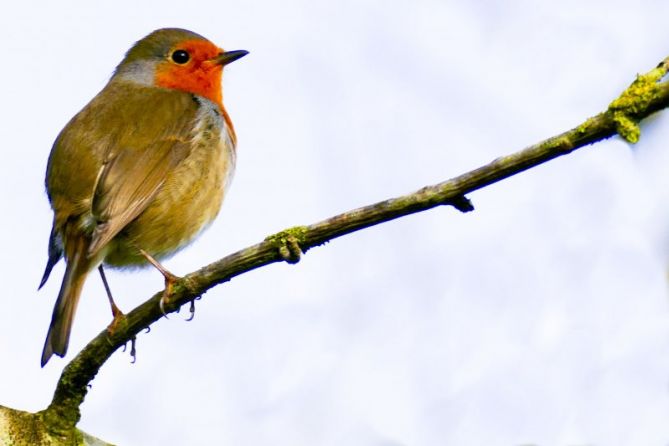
column 116, row 313
column 170, row 279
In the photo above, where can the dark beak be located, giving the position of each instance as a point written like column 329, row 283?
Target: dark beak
column 229, row 56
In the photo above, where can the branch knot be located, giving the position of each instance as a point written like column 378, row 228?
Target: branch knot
column 289, row 242
column 630, row 106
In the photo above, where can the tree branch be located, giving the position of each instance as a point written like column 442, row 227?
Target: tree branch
column 644, row 96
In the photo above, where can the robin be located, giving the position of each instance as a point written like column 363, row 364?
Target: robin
column 141, row 170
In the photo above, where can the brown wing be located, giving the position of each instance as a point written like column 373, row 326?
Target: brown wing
column 128, row 182
column 113, row 156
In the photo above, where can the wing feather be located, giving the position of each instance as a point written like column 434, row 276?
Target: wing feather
column 128, row 183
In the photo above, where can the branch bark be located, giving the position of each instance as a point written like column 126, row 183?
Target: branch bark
column 646, row 95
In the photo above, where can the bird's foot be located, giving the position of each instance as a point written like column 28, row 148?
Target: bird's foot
column 192, row 309
column 170, row 280
column 133, row 350
column 119, row 319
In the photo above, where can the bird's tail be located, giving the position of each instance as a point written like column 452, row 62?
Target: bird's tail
column 76, row 270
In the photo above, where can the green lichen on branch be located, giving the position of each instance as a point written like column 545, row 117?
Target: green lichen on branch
column 289, row 243
column 19, row 428
column 627, row 127
column 298, row 233
column 627, row 108
column 63, row 417
column 585, row 127
column 562, row 143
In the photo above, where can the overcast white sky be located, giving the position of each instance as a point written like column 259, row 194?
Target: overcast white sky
column 540, row 318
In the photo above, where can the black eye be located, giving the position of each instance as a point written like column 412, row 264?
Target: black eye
column 180, row 56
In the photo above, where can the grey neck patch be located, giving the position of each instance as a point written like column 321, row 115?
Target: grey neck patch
column 139, row 72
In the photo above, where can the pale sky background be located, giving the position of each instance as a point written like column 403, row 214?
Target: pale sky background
column 540, row 318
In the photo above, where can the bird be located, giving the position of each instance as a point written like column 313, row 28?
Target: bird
column 141, row 170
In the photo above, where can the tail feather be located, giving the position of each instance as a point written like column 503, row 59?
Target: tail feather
column 76, row 271
column 55, row 254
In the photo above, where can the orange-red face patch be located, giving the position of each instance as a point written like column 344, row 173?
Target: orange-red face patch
column 197, row 74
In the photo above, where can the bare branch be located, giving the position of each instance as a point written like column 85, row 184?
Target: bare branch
column 644, row 96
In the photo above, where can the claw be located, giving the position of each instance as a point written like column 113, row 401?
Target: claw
column 133, row 351
column 192, row 311
column 161, row 304
column 148, row 329
column 165, row 298
column 170, row 280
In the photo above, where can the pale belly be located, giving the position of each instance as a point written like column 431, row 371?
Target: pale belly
column 186, row 204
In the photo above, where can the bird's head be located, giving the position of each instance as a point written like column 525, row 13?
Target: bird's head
column 179, row 59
